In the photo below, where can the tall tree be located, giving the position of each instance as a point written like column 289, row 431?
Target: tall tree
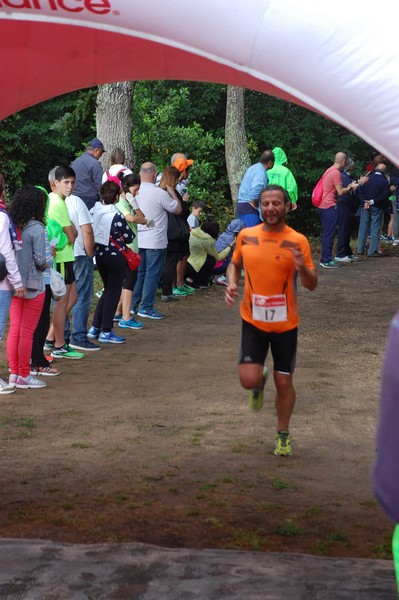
column 236, row 146
column 114, row 119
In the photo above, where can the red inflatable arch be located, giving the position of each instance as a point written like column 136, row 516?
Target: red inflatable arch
column 331, row 58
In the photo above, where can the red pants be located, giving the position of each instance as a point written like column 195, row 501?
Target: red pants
column 24, row 317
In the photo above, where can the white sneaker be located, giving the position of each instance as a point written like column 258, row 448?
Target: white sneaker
column 23, row 383
column 222, row 280
column 6, row 388
column 345, row 259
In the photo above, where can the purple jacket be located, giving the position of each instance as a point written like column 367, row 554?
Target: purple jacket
column 386, row 466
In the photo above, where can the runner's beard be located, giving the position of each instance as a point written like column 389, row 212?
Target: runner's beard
column 276, row 219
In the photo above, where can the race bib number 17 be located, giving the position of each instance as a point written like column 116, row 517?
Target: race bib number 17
column 269, row 309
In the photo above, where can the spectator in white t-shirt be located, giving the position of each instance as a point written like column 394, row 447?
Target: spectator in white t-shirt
column 83, row 270
column 155, row 203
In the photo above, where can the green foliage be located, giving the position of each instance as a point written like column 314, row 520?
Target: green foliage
column 35, row 140
column 170, row 116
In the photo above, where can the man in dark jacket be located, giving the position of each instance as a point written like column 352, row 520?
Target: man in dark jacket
column 373, row 195
column 89, row 173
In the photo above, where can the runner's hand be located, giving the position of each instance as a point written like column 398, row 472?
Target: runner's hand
column 231, row 294
column 299, row 259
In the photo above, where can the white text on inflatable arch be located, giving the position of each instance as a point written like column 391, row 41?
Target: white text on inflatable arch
column 97, row 7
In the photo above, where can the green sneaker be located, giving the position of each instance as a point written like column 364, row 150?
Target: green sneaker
column 188, row 289
column 67, row 352
column 283, row 444
column 179, row 291
column 255, row 399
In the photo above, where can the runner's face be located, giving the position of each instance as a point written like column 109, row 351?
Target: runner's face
column 273, row 208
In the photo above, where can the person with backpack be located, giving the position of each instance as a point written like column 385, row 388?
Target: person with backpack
column 331, row 188
column 118, row 170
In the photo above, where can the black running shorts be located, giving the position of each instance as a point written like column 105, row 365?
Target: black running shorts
column 66, row 270
column 255, row 345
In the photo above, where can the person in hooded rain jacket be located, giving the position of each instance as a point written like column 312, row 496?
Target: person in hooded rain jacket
column 280, row 174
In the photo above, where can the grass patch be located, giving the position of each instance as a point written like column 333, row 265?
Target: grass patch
column 383, row 550
column 115, row 450
column 122, row 497
column 192, row 512
column 208, row 487
column 227, row 479
column 253, row 540
column 196, row 438
column 73, row 412
column 278, row 483
column 80, row 445
column 289, row 529
column 214, row 522
column 23, row 425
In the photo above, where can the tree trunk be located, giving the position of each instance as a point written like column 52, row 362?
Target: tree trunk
column 114, row 120
column 236, row 147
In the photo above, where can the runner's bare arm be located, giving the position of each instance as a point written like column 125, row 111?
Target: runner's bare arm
column 308, row 276
column 233, row 277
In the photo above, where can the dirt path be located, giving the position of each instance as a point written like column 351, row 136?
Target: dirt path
column 152, row 441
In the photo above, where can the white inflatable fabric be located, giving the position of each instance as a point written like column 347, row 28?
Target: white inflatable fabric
column 339, row 59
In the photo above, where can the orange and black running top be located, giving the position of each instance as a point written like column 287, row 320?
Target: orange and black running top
column 270, row 299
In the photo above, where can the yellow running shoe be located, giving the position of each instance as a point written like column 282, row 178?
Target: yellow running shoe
column 255, row 399
column 283, row 444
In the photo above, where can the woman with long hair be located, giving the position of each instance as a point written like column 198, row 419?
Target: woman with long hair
column 27, row 211
column 129, row 208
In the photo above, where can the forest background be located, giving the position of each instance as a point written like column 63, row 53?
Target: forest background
column 170, row 116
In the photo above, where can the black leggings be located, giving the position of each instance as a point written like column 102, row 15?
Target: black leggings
column 37, row 358
column 112, row 268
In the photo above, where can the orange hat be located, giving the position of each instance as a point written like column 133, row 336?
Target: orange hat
column 181, row 164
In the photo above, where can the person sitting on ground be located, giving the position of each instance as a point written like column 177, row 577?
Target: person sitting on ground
column 197, row 209
column 203, row 253
column 226, row 237
column 129, row 208
column 118, row 169
column 109, row 225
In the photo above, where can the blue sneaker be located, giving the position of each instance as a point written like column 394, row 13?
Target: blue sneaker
column 117, row 318
column 110, row 338
column 93, row 332
column 130, row 324
column 150, row 314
